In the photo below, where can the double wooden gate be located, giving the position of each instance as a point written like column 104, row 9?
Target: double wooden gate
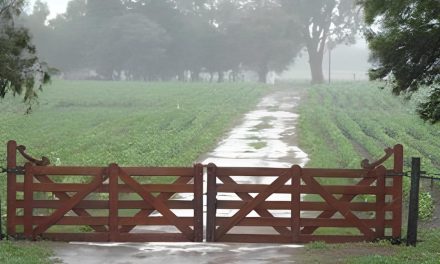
column 276, row 205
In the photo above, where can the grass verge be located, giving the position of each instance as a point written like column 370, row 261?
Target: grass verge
column 24, row 252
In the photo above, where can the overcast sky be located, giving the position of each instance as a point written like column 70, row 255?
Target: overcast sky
column 55, row 6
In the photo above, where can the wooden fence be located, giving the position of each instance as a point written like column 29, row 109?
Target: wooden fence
column 139, row 204
column 105, row 203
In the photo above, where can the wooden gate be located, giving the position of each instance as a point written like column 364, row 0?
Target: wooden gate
column 139, row 204
column 103, row 203
column 299, row 205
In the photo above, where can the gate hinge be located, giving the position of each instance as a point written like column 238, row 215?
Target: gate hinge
column 16, row 170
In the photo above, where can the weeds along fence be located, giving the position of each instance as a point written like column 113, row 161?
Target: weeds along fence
column 141, row 204
column 413, row 211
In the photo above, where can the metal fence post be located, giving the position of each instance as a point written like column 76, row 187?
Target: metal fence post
column 1, row 220
column 413, row 213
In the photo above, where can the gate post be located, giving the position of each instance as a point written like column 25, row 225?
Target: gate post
column 198, row 202
column 397, row 192
column 413, row 214
column 380, row 174
column 113, row 227
column 28, row 198
column 295, row 211
column 211, row 207
column 11, row 186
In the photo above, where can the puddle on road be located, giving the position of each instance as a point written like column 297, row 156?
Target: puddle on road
column 265, row 138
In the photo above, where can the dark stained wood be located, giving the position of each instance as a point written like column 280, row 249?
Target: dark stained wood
column 334, row 189
column 96, row 204
column 147, row 211
column 158, row 205
column 60, row 212
column 305, row 206
column 113, row 228
column 162, row 171
column 262, row 212
column 62, row 196
column 245, row 210
column 11, row 157
column 336, row 173
column 246, row 171
column 68, row 220
column 258, row 221
column 221, row 204
column 198, row 202
column 104, row 220
column 132, row 171
column 354, row 206
column 341, row 207
column 311, row 172
column 124, row 237
column 295, row 210
column 123, row 188
column 70, row 171
column 325, row 222
column 28, row 197
column 295, row 228
column 345, row 198
column 380, row 202
column 211, row 206
column 157, row 220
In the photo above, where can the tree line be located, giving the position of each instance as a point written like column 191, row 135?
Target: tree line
column 153, row 40
column 180, row 39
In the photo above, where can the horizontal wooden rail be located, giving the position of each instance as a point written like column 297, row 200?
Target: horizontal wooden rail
column 133, row 171
column 305, row 206
column 273, row 172
column 103, row 220
column 96, row 204
column 272, row 205
column 122, row 188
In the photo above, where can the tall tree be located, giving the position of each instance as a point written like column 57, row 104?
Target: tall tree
column 404, row 37
column 21, row 72
column 265, row 39
column 68, row 41
column 324, row 21
column 134, row 45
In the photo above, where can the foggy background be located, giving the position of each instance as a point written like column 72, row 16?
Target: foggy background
column 67, row 36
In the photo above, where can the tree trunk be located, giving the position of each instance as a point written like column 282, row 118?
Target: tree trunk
column 221, row 77
column 181, row 76
column 315, row 62
column 262, row 73
column 195, row 76
column 234, row 76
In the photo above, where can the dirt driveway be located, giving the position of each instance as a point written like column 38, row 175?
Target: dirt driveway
column 266, row 137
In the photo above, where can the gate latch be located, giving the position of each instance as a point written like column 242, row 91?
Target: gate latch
column 16, row 170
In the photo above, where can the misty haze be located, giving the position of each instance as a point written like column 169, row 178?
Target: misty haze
column 271, row 127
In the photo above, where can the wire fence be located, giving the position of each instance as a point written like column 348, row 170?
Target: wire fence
column 425, row 175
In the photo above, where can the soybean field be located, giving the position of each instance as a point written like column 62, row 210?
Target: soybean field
column 342, row 123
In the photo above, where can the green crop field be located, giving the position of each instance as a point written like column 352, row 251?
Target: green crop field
column 343, row 123
column 95, row 123
column 132, row 124
column 172, row 124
